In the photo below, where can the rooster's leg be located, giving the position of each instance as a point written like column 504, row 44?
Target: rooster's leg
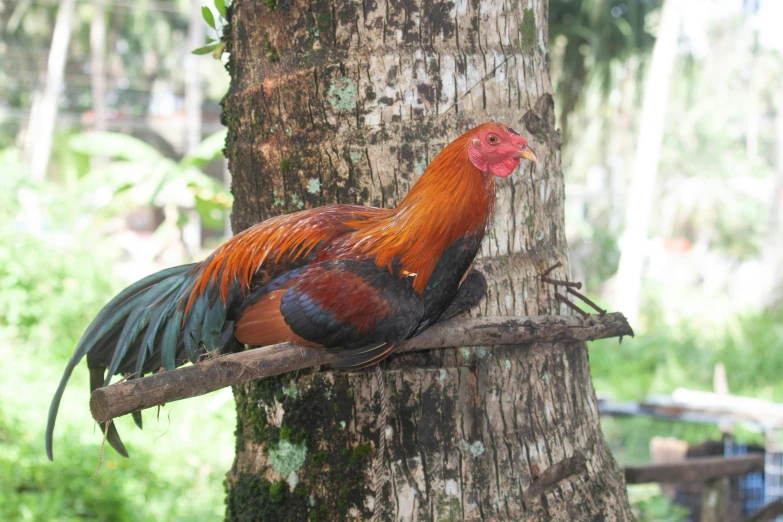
column 472, row 290
column 571, row 288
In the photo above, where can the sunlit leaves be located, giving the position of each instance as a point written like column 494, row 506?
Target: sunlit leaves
column 207, row 49
column 220, row 5
column 142, row 176
column 215, row 46
column 206, row 13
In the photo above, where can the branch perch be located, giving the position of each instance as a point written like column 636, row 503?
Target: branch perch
column 204, row 377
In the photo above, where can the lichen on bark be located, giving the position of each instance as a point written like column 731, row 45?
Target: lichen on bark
column 305, row 444
column 360, row 99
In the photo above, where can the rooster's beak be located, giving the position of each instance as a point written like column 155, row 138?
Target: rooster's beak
column 527, row 153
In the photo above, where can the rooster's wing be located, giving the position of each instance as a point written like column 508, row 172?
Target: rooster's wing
column 355, row 309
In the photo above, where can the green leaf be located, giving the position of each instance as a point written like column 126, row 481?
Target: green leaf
column 210, row 149
column 212, row 214
column 210, row 40
column 207, row 48
column 220, row 5
column 206, row 12
column 113, row 145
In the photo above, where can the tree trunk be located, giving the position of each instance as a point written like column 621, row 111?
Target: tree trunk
column 772, row 252
column 633, row 245
column 43, row 114
column 97, row 64
column 348, row 102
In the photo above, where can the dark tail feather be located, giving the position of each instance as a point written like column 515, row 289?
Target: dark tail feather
column 137, row 419
column 137, row 321
column 112, row 435
column 99, row 340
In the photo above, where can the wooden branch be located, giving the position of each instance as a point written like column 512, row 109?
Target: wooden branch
column 700, row 469
column 204, row 377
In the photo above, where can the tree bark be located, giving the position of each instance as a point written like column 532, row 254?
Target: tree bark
column 348, row 102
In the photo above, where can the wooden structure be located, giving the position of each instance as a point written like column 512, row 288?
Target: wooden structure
column 712, row 475
column 700, row 469
column 703, row 407
column 713, row 472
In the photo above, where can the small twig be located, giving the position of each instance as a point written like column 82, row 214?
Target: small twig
column 571, row 305
column 549, row 270
column 584, row 298
column 103, row 447
column 557, row 282
column 486, row 77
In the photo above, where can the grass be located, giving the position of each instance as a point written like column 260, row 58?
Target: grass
column 170, row 475
column 48, row 294
column 670, row 356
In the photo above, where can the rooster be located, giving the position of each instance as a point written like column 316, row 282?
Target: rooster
column 350, row 279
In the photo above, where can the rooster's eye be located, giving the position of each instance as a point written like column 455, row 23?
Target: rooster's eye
column 492, row 139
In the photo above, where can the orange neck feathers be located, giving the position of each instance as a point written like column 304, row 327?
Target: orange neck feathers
column 453, row 199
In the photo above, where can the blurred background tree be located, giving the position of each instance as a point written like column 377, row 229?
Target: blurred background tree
column 109, row 209
column 136, row 182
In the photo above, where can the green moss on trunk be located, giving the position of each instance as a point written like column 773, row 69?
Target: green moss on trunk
column 252, row 498
column 309, row 448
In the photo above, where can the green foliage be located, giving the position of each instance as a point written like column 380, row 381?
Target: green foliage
column 152, row 485
column 55, row 274
column 49, row 285
column 715, row 189
column 111, row 144
column 588, row 38
column 214, row 45
column 142, row 176
column 684, row 356
column 32, row 488
column 35, row 489
column 220, row 5
column 651, row 506
column 206, row 12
